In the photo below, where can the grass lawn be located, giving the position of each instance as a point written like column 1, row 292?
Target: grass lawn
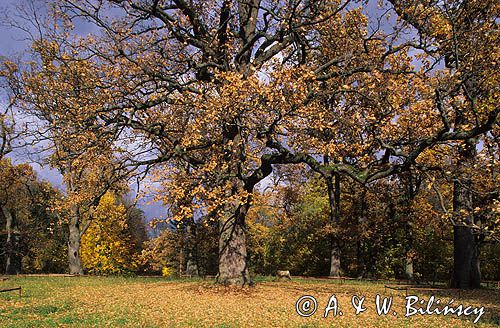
column 156, row 302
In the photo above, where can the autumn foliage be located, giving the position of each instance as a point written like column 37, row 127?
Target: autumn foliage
column 389, row 108
column 108, row 246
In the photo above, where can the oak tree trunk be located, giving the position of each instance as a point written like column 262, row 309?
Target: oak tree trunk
column 412, row 185
column 466, row 269
column 466, row 242
column 75, row 266
column 333, row 189
column 233, row 268
column 466, row 245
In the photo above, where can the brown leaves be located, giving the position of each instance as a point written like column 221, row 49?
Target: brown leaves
column 141, row 301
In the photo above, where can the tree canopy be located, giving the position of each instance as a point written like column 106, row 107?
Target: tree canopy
column 210, row 96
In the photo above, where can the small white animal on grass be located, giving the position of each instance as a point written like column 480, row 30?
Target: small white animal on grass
column 283, row 274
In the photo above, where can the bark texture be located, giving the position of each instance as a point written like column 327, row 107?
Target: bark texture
column 333, row 189
column 233, row 268
column 75, row 266
column 466, row 245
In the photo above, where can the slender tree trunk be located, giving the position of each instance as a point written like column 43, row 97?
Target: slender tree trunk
column 181, row 252
column 75, row 266
column 233, row 268
column 409, row 249
column 192, row 258
column 3, row 241
column 360, row 244
column 333, row 188
column 409, row 267
column 412, row 185
column 360, row 258
column 12, row 258
column 466, row 246
column 335, row 270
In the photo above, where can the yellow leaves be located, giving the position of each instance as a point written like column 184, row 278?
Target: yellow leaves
column 431, row 183
column 442, row 28
column 167, row 271
column 106, row 247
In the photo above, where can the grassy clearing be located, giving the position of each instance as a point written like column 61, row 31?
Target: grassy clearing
column 151, row 302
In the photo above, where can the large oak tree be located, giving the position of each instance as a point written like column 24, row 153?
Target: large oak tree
column 231, row 88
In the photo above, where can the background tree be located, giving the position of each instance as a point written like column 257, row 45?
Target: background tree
column 110, row 245
column 32, row 236
column 43, row 232
column 57, row 97
column 467, row 197
column 461, row 34
column 168, row 250
column 13, row 199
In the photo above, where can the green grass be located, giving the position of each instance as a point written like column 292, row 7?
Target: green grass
column 45, row 302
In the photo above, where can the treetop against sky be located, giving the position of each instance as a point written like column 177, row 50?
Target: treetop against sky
column 377, row 22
